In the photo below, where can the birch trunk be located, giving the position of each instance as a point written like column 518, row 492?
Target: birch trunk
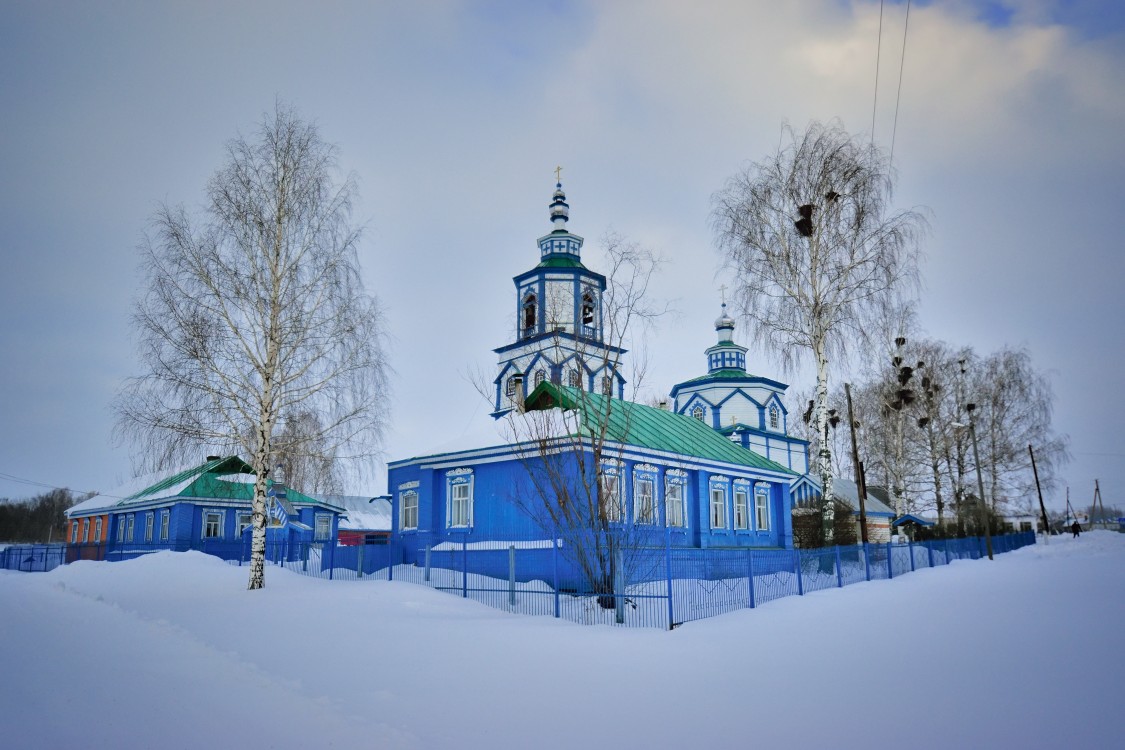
column 824, row 452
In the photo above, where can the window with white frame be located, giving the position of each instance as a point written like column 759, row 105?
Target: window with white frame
column 74, row 532
column 212, row 524
column 98, row 529
column 775, row 417
column 148, row 526
column 741, row 508
column 697, row 413
column 165, row 519
column 408, row 510
column 718, row 507
column 644, row 500
column 120, row 529
column 459, row 506
column 574, row 379
column 607, row 385
column 674, row 512
column 243, row 521
column 323, row 530
column 762, row 507
column 540, row 376
column 85, row 530
column 129, row 521
column 612, row 504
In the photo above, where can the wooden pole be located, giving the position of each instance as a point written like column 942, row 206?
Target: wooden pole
column 1042, row 508
column 860, row 485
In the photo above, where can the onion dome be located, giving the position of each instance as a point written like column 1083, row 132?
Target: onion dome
column 560, row 211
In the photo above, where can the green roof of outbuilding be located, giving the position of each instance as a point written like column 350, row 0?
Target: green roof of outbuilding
column 649, row 427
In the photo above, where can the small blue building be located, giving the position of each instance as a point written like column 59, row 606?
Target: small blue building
column 207, row 507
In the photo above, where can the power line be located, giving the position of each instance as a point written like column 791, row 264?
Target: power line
column 34, row 483
column 898, row 96
column 878, row 58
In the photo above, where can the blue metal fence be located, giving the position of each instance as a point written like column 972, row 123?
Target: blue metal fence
column 651, row 587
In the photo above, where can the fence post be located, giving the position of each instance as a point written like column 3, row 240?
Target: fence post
column 555, row 568
column 839, row 571
column 426, row 577
column 359, row 561
column 668, row 564
column 464, row 567
column 797, row 565
column 331, row 559
column 511, row 575
column 890, row 560
column 930, row 551
column 750, row 573
column 910, row 549
column 618, row 588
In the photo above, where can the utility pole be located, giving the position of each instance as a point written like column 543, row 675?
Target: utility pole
column 860, row 483
column 1097, row 502
column 980, row 481
column 1042, row 508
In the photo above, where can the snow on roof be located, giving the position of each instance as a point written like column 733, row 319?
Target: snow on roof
column 364, row 513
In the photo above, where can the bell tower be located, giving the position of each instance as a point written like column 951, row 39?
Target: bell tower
column 559, row 330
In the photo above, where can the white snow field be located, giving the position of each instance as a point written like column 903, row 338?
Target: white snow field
column 171, row 651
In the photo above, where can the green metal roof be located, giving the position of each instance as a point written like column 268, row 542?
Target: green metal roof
column 560, row 261
column 724, row 375
column 649, row 427
column 207, row 481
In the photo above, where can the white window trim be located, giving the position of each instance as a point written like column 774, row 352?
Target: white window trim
column 241, row 527
column 653, row 514
column 130, row 522
column 318, row 520
column 98, row 529
column 402, row 510
column 222, row 523
column 680, row 485
column 719, row 502
column 762, row 505
column 165, row 523
column 85, row 530
column 120, row 529
column 459, row 478
column 743, row 523
column 149, row 521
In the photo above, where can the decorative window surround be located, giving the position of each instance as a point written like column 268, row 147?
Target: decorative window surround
column 323, row 527
column 762, row 507
column 459, row 499
column 149, row 519
column 213, row 524
column 165, row 519
column 408, row 511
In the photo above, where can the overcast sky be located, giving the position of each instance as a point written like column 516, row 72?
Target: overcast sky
column 453, row 115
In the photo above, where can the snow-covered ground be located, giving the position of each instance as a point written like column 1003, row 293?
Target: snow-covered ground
column 171, row 651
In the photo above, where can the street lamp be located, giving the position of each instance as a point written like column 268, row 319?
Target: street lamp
column 980, row 481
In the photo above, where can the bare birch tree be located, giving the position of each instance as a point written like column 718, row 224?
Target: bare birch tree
column 571, row 438
column 254, row 313
column 817, row 253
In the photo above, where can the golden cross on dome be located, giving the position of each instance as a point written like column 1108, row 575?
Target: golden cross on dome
column 723, row 292
column 558, row 174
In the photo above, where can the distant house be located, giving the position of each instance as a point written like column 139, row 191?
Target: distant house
column 207, row 507
column 367, row 520
column 880, row 514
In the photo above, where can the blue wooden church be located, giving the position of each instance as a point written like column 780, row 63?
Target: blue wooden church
column 712, row 471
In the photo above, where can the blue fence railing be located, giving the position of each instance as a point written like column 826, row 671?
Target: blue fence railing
column 649, row 587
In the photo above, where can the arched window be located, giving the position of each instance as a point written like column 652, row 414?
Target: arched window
column 529, row 307
column 587, row 308
column 607, row 385
column 697, row 413
column 775, row 417
column 574, row 378
column 540, row 376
